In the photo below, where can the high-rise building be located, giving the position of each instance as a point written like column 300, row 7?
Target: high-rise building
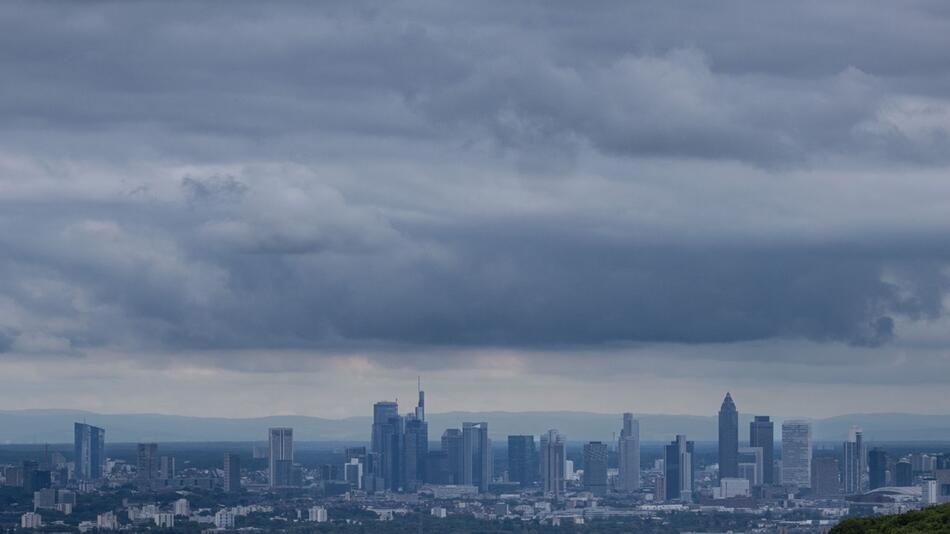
column 796, row 453
column 89, row 450
column 628, row 454
column 762, row 434
column 678, row 464
column 522, row 460
column 853, row 463
column 166, row 467
column 476, row 455
column 280, row 456
column 147, row 465
column 383, row 412
column 825, row 479
column 728, row 439
column 904, row 474
column 415, row 449
column 388, row 441
column 453, row 449
column 595, row 467
column 752, row 465
column 659, row 491
column 553, row 458
column 877, row 468
column 232, row 472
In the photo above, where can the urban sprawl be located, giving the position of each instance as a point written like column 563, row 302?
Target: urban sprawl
column 752, row 484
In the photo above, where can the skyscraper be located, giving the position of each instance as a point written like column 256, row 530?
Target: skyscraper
column 522, row 460
column 595, row 467
column 476, row 455
column 796, row 453
column 553, row 456
column 415, row 447
column 388, row 440
column 904, row 476
column 762, row 434
column 232, row 472
column 281, row 456
column 877, row 468
column 728, row 439
column 853, row 462
column 89, row 447
column 452, row 445
column 628, row 454
column 383, row 411
column 147, row 466
column 678, row 462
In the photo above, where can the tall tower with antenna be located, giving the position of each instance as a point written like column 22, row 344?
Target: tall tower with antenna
column 421, row 407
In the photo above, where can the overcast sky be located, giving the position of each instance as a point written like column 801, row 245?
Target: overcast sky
column 250, row 209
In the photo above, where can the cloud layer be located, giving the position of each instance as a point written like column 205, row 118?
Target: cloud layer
column 388, row 179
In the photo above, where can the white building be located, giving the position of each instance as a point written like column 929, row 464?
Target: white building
column 224, row 519
column 318, row 514
column 439, row 512
column 164, row 520
column 107, row 521
column 796, row 453
column 928, row 493
column 31, row 520
column 353, row 473
column 732, row 487
column 182, row 508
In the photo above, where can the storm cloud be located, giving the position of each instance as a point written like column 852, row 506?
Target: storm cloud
column 541, row 177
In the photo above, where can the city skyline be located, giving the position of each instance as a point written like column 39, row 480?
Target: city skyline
column 424, row 266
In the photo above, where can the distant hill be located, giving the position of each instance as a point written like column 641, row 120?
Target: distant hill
column 929, row 520
column 55, row 426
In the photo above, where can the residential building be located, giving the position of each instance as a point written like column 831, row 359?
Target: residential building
column 232, row 472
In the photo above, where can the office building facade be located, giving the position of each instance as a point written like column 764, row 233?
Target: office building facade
column 628, row 454
column 678, row 467
column 796, row 453
column 595, row 467
column 762, row 434
column 553, row 458
column 281, row 456
column 728, row 438
column 89, row 450
column 522, row 460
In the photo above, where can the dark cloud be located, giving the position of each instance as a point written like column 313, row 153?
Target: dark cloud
column 419, row 174
column 767, row 84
